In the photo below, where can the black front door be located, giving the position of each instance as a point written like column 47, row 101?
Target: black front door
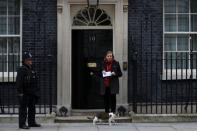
column 88, row 51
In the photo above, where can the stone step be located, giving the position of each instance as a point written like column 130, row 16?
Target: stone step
column 84, row 119
column 86, row 112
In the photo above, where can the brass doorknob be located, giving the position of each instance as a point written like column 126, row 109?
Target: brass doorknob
column 91, row 73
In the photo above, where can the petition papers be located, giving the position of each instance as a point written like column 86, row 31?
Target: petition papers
column 107, row 74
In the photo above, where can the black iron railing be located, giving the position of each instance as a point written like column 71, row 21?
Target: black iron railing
column 46, row 83
column 163, row 82
column 165, row 85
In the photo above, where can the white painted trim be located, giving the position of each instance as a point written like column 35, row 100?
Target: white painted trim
column 163, row 32
column 64, row 55
column 179, row 51
column 91, row 27
column 65, row 28
column 7, row 18
column 189, row 17
column 59, row 52
column 118, row 45
column 179, row 33
column 125, row 59
column 84, row 2
column 4, row 77
column 180, row 13
column 101, row 3
column 179, row 74
column 70, row 55
column 10, row 36
column 21, row 29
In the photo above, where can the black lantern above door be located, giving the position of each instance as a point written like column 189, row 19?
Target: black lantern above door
column 93, row 3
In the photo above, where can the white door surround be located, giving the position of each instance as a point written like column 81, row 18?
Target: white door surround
column 66, row 10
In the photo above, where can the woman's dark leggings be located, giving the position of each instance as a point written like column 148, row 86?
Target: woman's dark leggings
column 109, row 101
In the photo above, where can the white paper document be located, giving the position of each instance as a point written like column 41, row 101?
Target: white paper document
column 107, row 74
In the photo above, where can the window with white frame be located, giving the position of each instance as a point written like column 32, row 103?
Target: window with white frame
column 10, row 35
column 180, row 34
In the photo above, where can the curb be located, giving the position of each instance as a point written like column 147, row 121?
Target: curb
column 163, row 118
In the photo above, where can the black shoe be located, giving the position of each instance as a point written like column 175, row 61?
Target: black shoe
column 34, row 125
column 23, row 127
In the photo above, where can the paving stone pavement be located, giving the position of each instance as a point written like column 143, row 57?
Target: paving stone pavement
column 105, row 127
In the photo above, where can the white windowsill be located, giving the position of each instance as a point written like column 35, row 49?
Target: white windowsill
column 178, row 74
column 5, row 77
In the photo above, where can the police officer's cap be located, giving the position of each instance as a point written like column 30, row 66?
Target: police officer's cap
column 27, row 56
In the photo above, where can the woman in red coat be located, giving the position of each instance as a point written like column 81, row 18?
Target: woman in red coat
column 110, row 81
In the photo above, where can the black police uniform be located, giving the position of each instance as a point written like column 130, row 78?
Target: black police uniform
column 26, row 83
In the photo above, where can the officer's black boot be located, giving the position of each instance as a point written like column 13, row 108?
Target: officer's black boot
column 24, row 127
column 34, row 125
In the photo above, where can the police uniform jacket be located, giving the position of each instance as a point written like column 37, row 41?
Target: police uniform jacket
column 26, row 81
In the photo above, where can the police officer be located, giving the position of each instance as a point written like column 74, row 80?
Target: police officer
column 26, row 83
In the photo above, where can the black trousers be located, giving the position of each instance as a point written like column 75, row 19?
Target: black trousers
column 109, row 101
column 26, row 102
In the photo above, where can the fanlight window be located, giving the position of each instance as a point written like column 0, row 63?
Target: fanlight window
column 91, row 16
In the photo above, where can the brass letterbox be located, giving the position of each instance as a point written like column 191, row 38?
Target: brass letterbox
column 92, row 65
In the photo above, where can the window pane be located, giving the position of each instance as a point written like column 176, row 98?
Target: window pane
column 183, row 23
column 85, row 14
column 193, row 6
column 170, row 23
column 169, row 60
column 193, row 61
column 13, row 63
column 76, row 22
column 3, row 7
column 3, row 25
column 107, row 22
column 3, row 45
column 14, row 25
column 103, row 17
column 170, row 43
column 170, row 6
column 3, row 63
column 81, row 18
column 182, row 42
column 182, row 60
column 98, row 13
column 176, row 60
column 183, row 6
column 14, row 7
column 194, row 42
column 14, row 45
column 194, row 23
column 92, row 12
